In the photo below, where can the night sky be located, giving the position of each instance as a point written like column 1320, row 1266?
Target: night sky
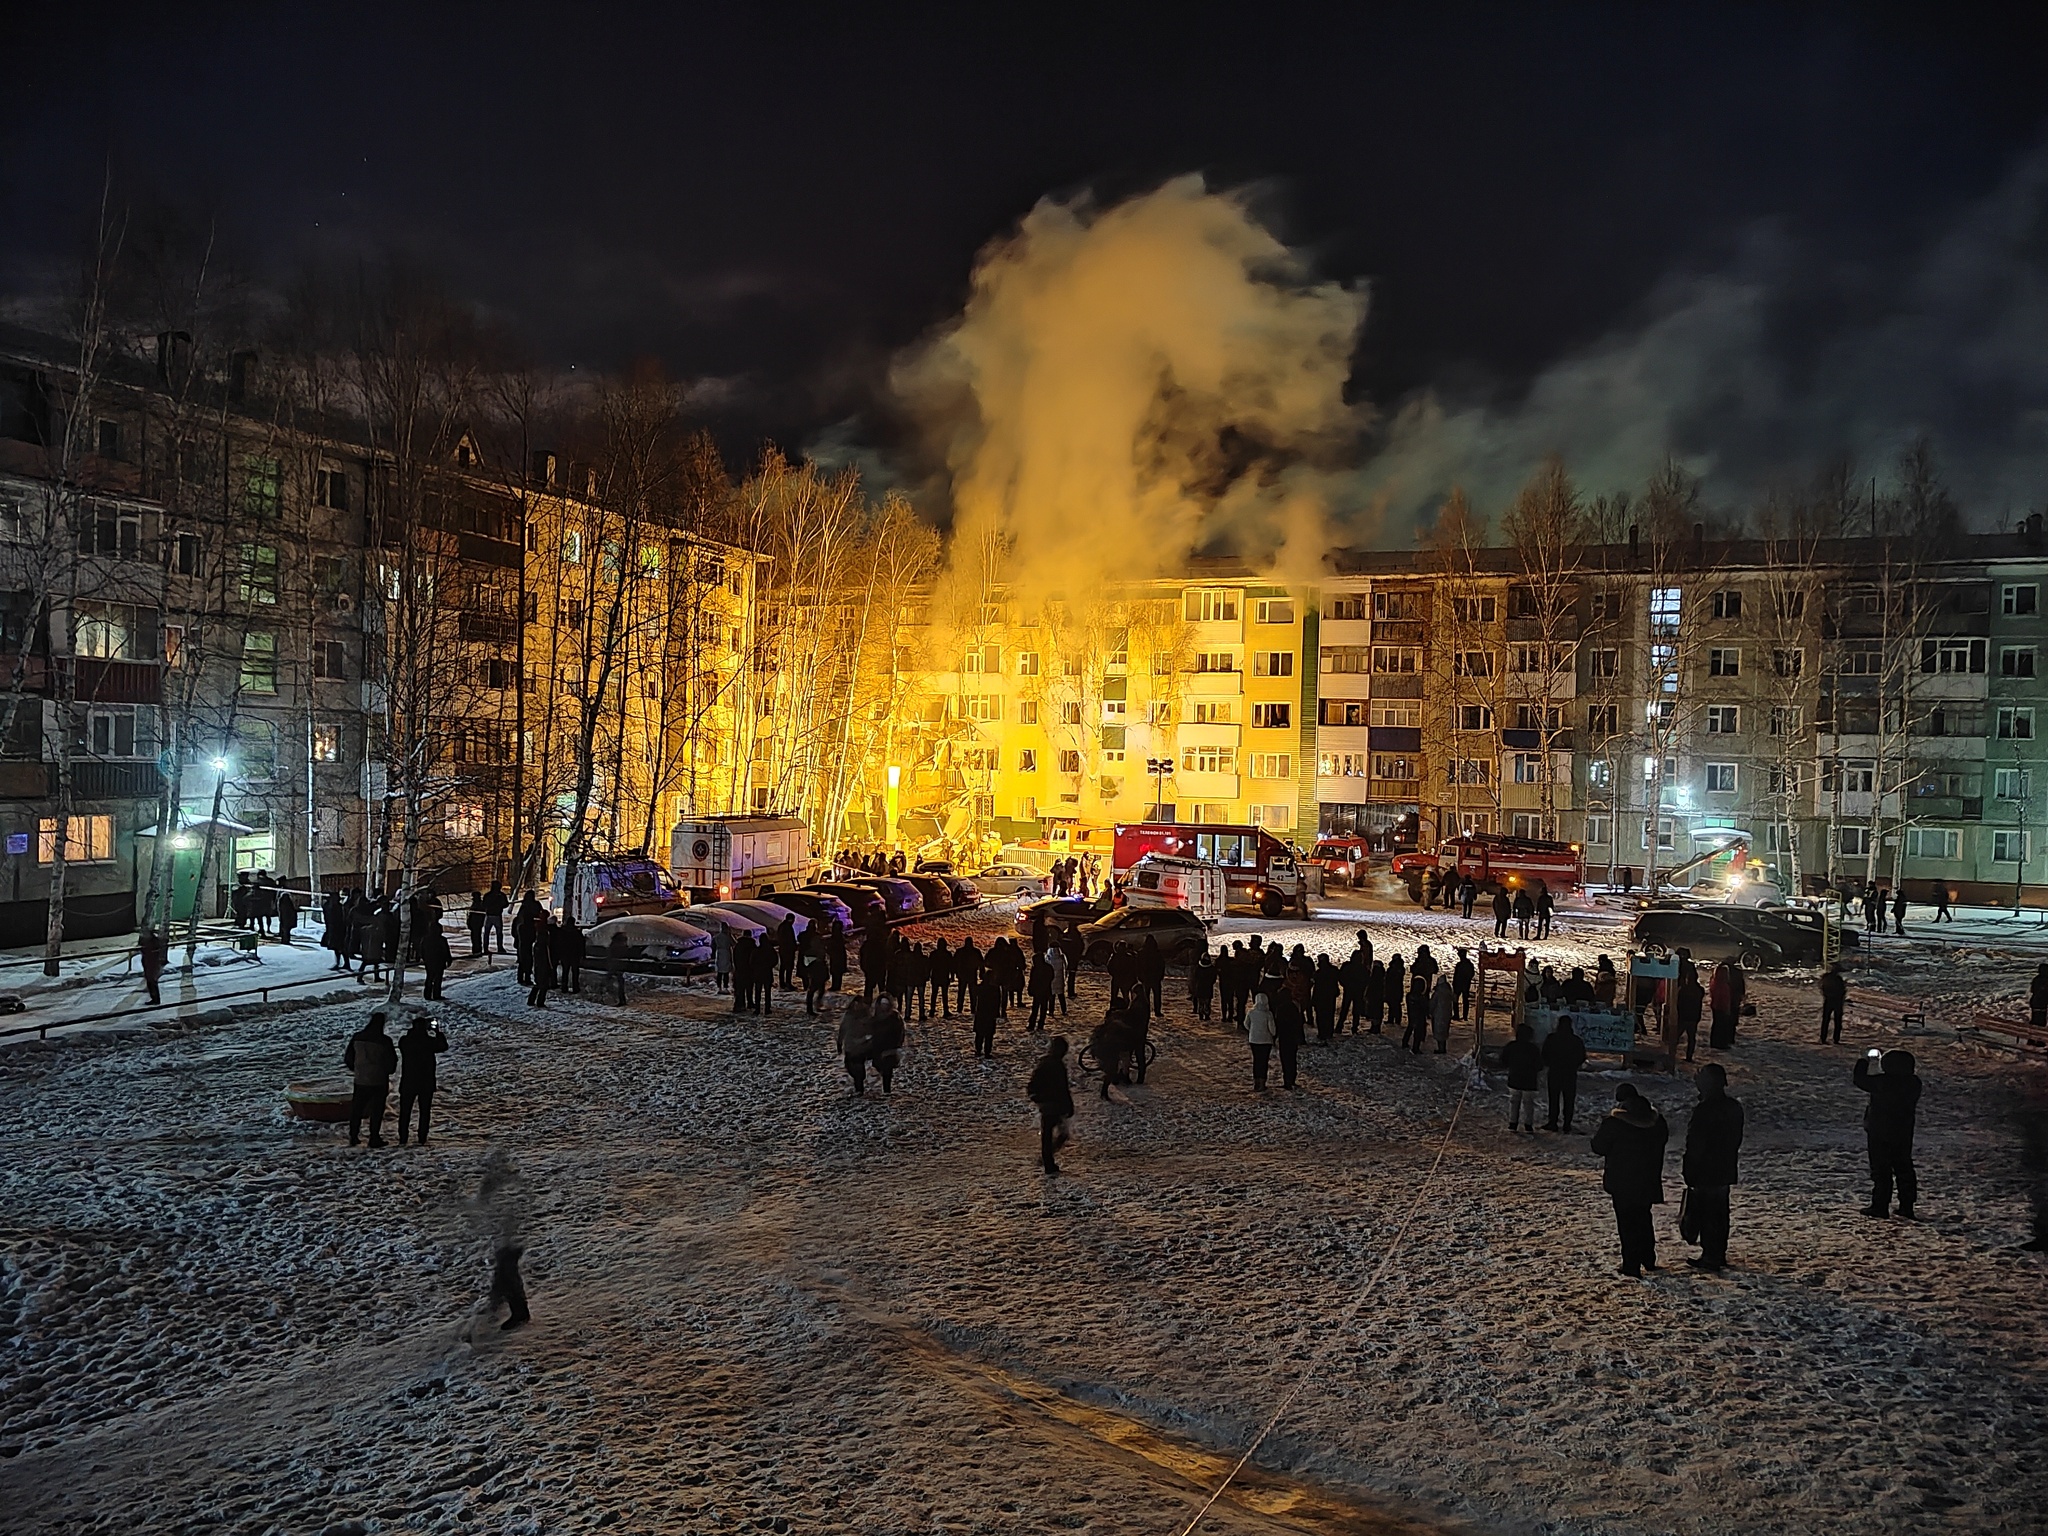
column 780, row 200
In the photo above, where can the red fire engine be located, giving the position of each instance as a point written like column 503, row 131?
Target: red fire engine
column 1497, row 863
column 1259, row 870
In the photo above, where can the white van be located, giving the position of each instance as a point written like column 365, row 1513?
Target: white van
column 628, row 886
column 1158, row 880
column 736, row 858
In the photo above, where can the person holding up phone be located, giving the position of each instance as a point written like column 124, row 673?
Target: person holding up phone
column 1888, row 1123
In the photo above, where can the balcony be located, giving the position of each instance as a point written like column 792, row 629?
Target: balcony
column 1213, row 683
column 92, row 779
column 491, row 628
column 1188, row 785
column 24, row 780
column 483, row 551
column 1394, row 738
column 102, row 681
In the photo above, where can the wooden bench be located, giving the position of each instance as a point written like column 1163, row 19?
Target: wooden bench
column 2002, row 1029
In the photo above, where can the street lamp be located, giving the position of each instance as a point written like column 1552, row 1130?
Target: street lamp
column 1159, row 768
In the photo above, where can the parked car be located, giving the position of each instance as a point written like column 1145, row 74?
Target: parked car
column 1180, row 933
column 862, row 900
column 900, row 899
column 768, row 914
column 817, row 906
column 1757, row 936
column 738, row 922
column 1014, row 880
column 652, row 943
column 932, row 867
column 1063, row 911
column 936, row 891
column 965, row 892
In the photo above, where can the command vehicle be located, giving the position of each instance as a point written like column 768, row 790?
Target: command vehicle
column 1159, row 881
column 1259, row 871
column 721, row 858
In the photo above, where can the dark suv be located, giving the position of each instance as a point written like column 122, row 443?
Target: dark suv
column 1180, row 933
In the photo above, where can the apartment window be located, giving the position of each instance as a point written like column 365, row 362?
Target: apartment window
column 1342, row 712
column 982, row 658
column 462, row 819
column 119, row 733
column 105, row 630
column 1785, row 719
column 1027, row 711
column 1109, row 788
column 497, row 672
column 1208, row 759
column 185, row 554
column 1215, row 661
column 330, row 489
column 1933, row 843
column 2017, row 600
column 1665, row 607
column 174, row 645
column 1472, row 664
column 1113, row 741
column 572, row 546
column 1469, row 770
column 1720, row 778
column 1724, row 662
column 1606, row 606
column 1532, row 824
column 1666, row 833
column 326, row 743
column 1856, row 776
column 1115, row 709
column 981, row 706
column 109, row 532
column 2016, row 723
column 1272, row 717
column 1791, row 605
column 1598, row 830
column 1273, row 664
column 1070, row 713
column 1472, row 610
column 1475, row 717
column 1599, row 774
column 1602, row 719
column 1723, row 719
column 1027, row 663
column 1528, row 768
column 1274, row 818
column 255, row 755
column 1853, row 841
column 262, row 486
column 1349, row 658
column 330, row 660
column 1344, row 608
column 87, row 840
column 1728, row 605
column 1403, row 715
column 1788, row 661
column 2016, row 660
column 1215, row 712
column 1070, row 760
column 1027, row 808
column 1398, row 605
column 1393, row 766
column 1342, row 765
column 257, row 574
column 1778, row 837
column 1274, row 610
column 1398, row 659
column 1949, row 655
column 2009, row 847
column 259, row 662
column 1211, row 605
column 1605, row 662
column 1272, row 765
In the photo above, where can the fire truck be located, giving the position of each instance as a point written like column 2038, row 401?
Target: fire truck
column 1259, row 871
column 1497, row 863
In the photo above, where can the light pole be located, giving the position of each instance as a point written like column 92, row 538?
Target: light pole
column 1159, row 768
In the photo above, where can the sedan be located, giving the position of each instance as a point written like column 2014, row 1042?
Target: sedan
column 936, row 891
column 768, row 914
column 735, row 923
column 1756, row 936
column 1014, row 880
column 652, row 943
column 900, row 898
column 864, row 901
column 817, row 906
column 1180, row 933
column 1062, row 912
column 965, row 892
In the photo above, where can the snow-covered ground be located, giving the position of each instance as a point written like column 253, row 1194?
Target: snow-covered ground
column 761, row 1304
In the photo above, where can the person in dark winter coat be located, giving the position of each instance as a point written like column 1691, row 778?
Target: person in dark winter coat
column 153, row 950
column 1525, row 912
column 2037, row 998
column 1889, row 1120
column 1288, row 1033
column 967, row 970
column 1152, row 971
column 1418, row 1014
column 371, row 1058
column 287, row 916
column 1632, row 1140
column 1202, row 984
column 1468, row 898
column 1375, row 996
column 1462, row 976
column 1545, row 909
column 1563, row 1054
column 1712, row 1138
column 984, row 1011
column 785, row 951
column 888, row 1037
column 1040, row 988
column 835, row 955
column 494, row 903
column 474, row 917
column 1834, row 998
column 1522, row 1059
column 569, row 950
column 541, row 958
column 434, row 955
column 1691, row 1003
column 417, row 1048
column 857, row 1042
column 1323, row 989
column 817, row 975
column 615, row 966
column 1503, row 909
column 1054, row 1096
column 1730, row 986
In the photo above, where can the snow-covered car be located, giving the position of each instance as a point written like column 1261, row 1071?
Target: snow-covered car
column 1013, row 880
column 768, row 914
column 653, row 943
column 735, row 923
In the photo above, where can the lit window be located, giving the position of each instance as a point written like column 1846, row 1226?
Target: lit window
column 87, row 840
column 1720, row 778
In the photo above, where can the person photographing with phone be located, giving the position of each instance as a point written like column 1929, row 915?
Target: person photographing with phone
column 1888, row 1122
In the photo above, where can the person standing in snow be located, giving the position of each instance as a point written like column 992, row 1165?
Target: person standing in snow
column 1462, row 976
column 1259, row 1029
column 1324, row 985
column 1202, row 983
column 1712, row 1138
column 1522, row 1059
column 372, row 1059
column 1563, row 1054
column 1050, row 1091
column 1834, row 998
column 1525, row 912
column 1899, row 910
column 1468, row 898
column 1889, row 1120
column 1289, row 1031
column 417, row 1048
column 153, row 950
column 1545, row 908
column 1631, row 1140
column 1442, row 1004
column 888, row 1040
column 856, row 1040
column 1503, row 909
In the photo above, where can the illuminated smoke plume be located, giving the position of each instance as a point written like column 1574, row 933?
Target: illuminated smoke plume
column 1129, row 385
